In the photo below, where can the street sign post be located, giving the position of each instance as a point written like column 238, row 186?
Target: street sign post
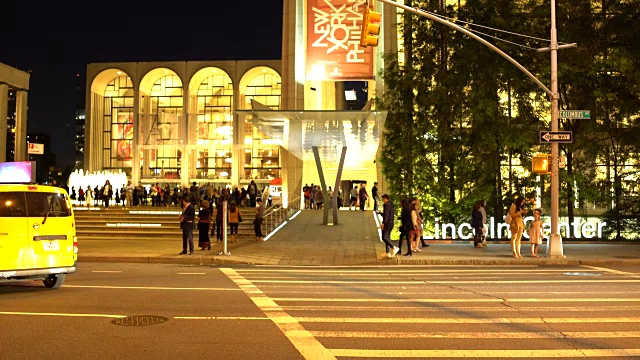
column 575, row 114
column 547, row 137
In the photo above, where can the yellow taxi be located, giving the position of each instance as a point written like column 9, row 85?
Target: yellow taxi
column 37, row 234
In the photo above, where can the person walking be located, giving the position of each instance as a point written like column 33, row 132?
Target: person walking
column 376, row 197
column 363, row 195
column 353, row 197
column 204, row 219
column 218, row 226
column 476, row 224
column 516, row 212
column 186, row 224
column 387, row 225
column 257, row 222
column 405, row 226
column 483, row 211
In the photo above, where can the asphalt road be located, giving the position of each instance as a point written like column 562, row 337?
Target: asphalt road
column 242, row 312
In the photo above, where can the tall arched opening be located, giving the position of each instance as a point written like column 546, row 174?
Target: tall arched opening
column 211, row 126
column 161, row 138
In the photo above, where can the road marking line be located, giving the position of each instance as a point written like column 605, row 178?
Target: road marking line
column 502, row 320
column 470, row 308
column 60, row 314
column 191, row 273
column 611, row 271
column 394, row 271
column 345, row 292
column 220, row 318
column 308, row 346
column 409, row 282
column 474, row 335
column 367, row 276
column 293, row 267
column 147, row 288
column 560, row 353
column 461, row 300
column 106, row 271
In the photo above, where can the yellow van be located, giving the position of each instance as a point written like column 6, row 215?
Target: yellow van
column 37, row 234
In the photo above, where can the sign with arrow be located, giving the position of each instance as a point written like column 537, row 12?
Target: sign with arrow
column 556, row 137
column 575, row 114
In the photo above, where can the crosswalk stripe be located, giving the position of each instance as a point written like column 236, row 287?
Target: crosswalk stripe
column 462, row 300
column 474, row 335
column 288, row 290
column 559, row 353
column 417, row 271
column 502, row 320
column 393, row 307
column 399, row 282
column 308, row 346
column 147, row 287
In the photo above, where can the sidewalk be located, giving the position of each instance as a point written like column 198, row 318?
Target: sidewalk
column 304, row 241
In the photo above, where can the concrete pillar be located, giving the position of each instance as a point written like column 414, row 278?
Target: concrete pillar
column 21, row 126
column 4, row 100
column 135, row 158
column 185, row 156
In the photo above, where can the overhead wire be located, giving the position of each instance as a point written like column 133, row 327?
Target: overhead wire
column 493, row 29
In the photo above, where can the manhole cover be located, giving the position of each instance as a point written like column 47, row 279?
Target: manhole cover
column 140, row 320
column 581, row 274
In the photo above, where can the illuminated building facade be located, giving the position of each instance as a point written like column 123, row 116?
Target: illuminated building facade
column 14, row 87
column 181, row 122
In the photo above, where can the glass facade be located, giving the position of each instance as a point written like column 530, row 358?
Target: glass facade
column 179, row 129
column 117, row 131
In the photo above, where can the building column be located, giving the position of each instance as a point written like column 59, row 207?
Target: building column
column 135, row 158
column 185, row 141
column 21, row 126
column 4, row 102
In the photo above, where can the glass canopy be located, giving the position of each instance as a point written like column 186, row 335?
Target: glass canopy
column 299, row 131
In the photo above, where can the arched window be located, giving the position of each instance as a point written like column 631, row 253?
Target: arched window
column 117, row 132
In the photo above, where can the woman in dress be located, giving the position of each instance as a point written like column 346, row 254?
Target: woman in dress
column 517, row 211
column 204, row 218
column 535, row 232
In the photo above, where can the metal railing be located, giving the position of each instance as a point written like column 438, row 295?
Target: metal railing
column 276, row 215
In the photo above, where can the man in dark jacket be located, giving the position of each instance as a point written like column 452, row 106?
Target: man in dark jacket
column 387, row 225
column 186, row 224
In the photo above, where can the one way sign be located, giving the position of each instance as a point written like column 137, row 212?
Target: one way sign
column 556, row 137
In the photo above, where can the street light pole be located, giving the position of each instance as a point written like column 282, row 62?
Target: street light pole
column 555, row 241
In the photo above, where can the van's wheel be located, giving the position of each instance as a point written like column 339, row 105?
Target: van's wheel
column 54, row 281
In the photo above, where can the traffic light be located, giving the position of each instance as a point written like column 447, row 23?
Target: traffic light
column 370, row 27
column 541, row 164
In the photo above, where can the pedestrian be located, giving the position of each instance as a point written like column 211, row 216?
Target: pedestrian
column 80, row 195
column 72, row 196
column 186, row 224
column 405, row 225
column 107, row 194
column 483, row 211
column 516, row 225
column 217, row 229
column 257, row 222
column 353, row 197
column 535, row 232
column 363, row 195
column 476, row 224
column 235, row 218
column 415, row 227
column 89, row 195
column 387, row 225
column 204, row 218
column 376, row 197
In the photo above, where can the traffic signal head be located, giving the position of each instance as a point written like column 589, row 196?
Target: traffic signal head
column 541, row 164
column 370, row 27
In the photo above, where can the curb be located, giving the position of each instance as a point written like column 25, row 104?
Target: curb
column 219, row 260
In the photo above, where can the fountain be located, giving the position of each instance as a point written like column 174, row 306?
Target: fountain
column 80, row 178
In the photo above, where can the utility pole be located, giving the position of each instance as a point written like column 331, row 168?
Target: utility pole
column 555, row 241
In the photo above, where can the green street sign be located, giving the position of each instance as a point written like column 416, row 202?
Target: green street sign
column 575, row 114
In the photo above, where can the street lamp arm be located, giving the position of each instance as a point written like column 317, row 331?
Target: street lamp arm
column 472, row 35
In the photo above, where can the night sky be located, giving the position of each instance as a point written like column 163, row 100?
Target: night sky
column 56, row 42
